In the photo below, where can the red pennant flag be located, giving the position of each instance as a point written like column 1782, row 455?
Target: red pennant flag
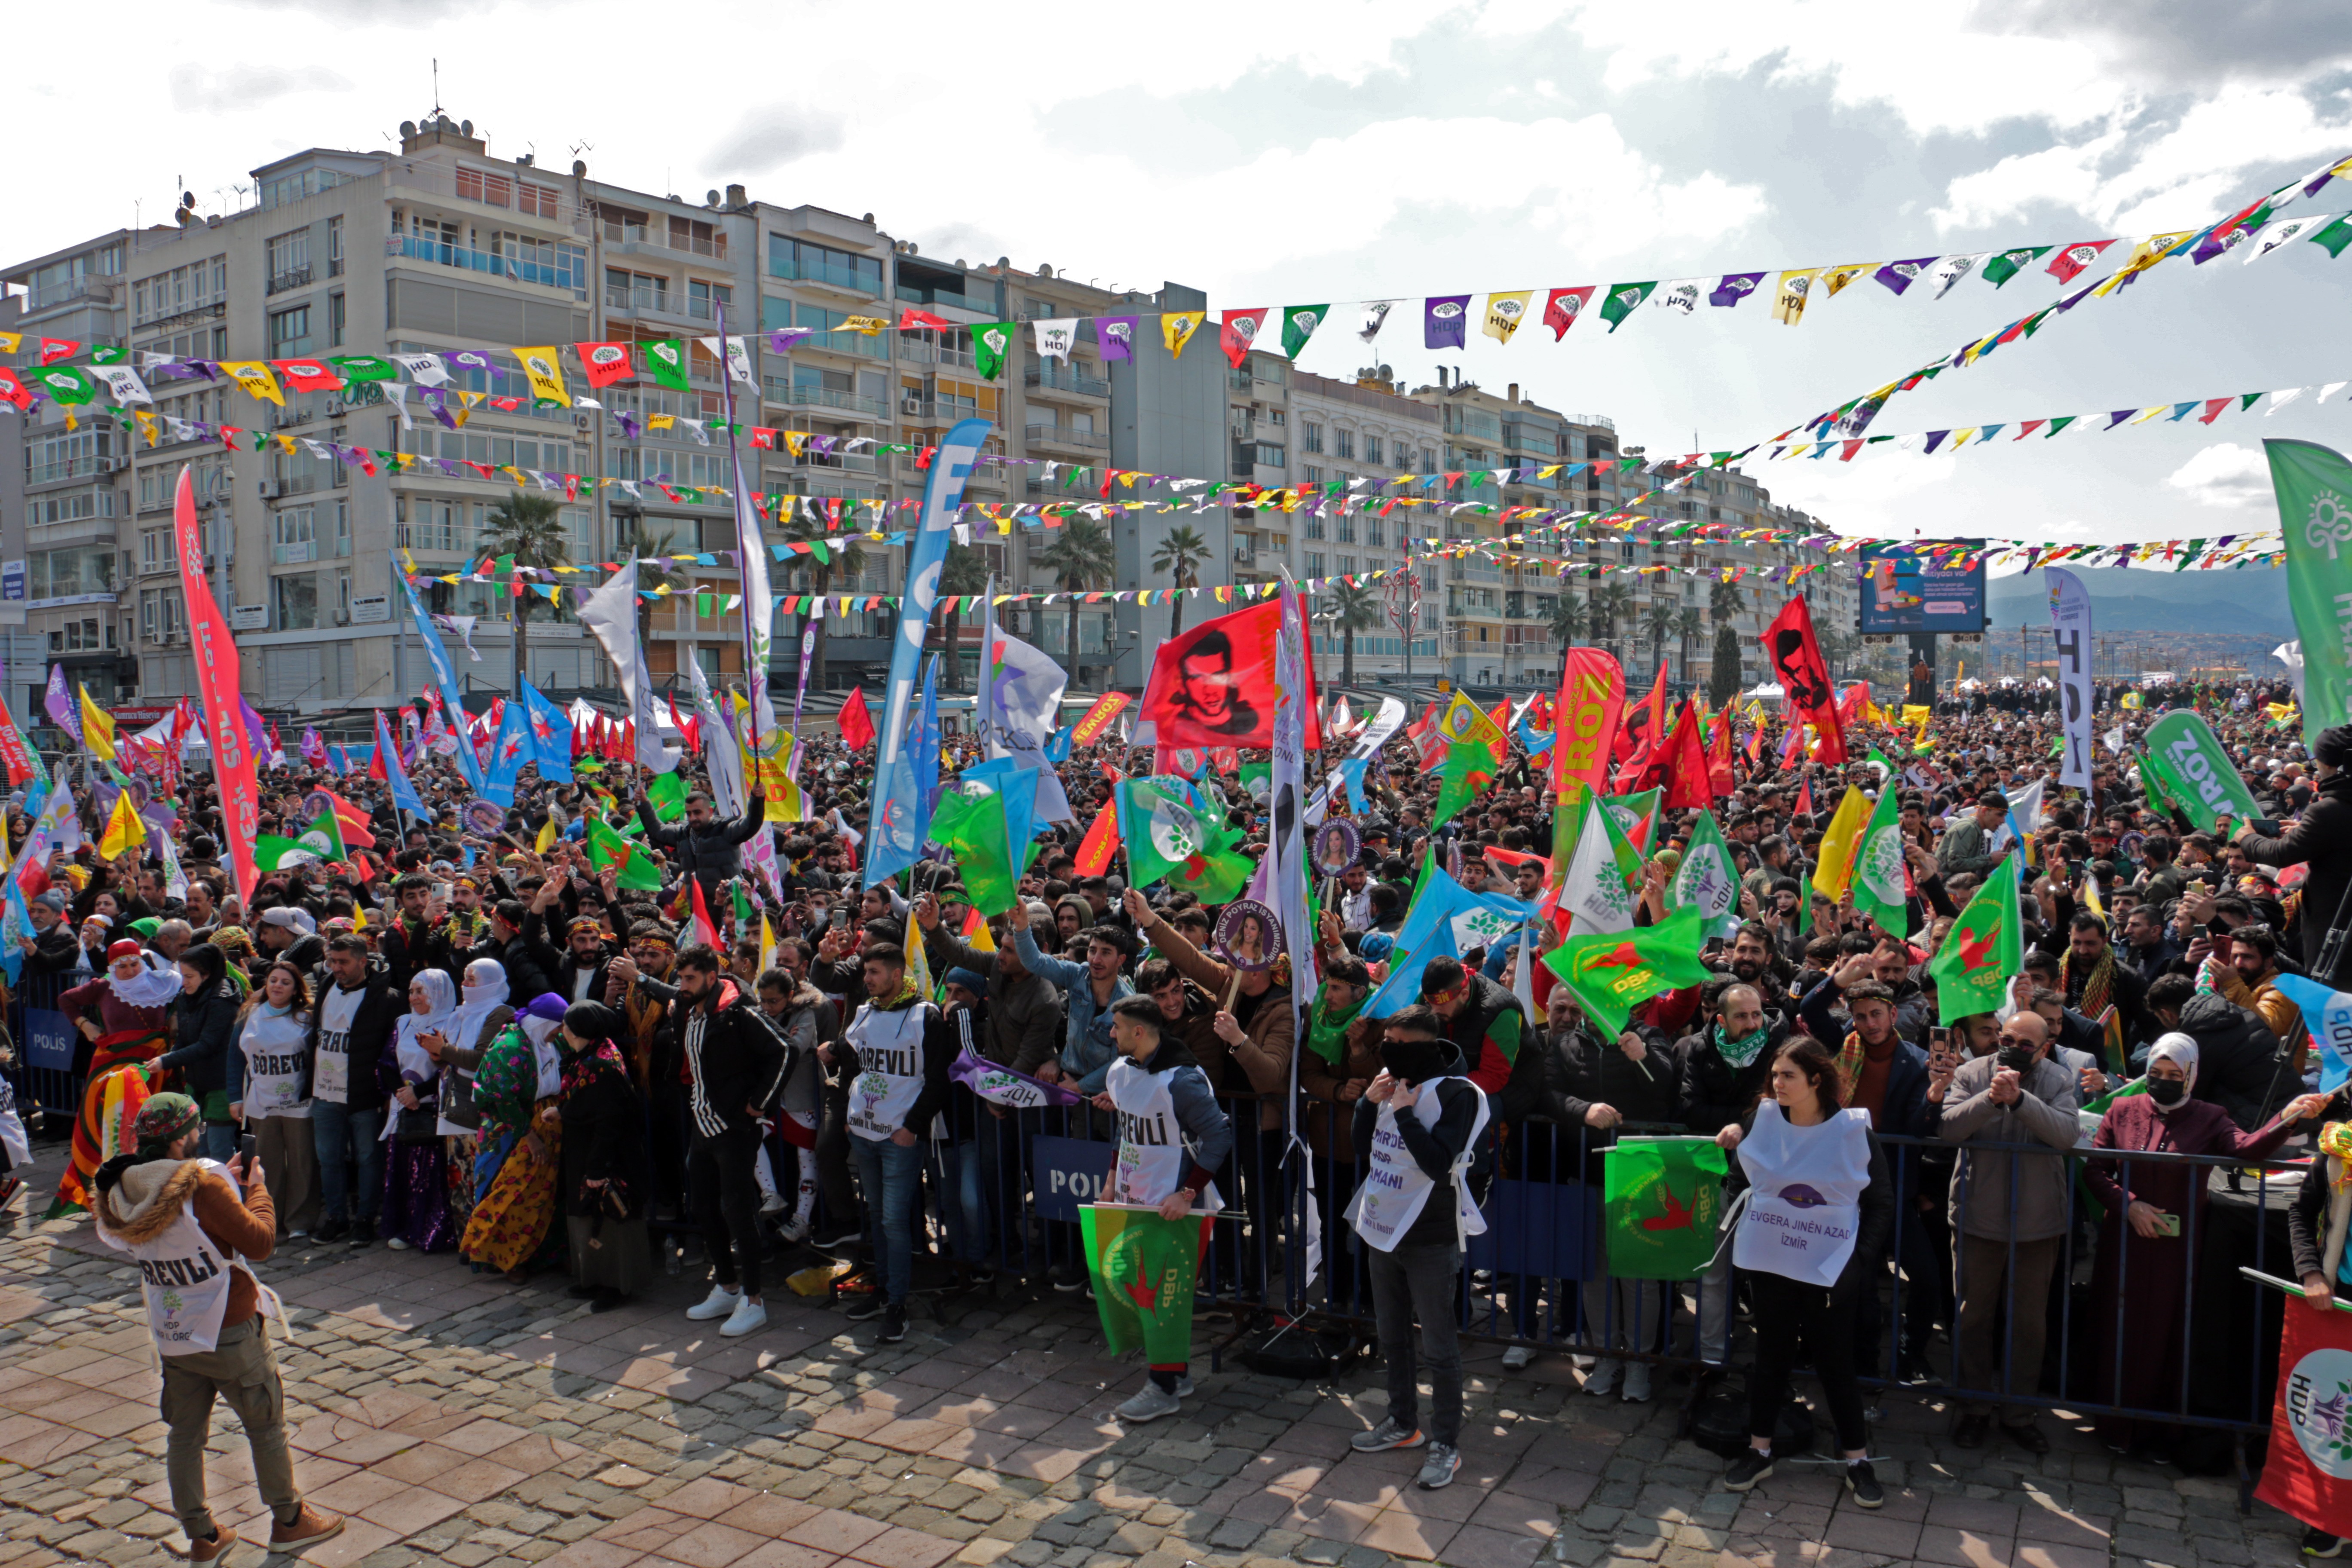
column 605, row 364
column 1562, row 308
column 1644, row 728
column 856, row 723
column 2300, row 1476
column 1796, row 658
column 56, row 349
column 308, row 375
column 1099, row 844
column 911, row 318
column 1718, row 759
column 706, row 930
column 1215, row 687
column 1852, row 703
column 352, row 821
column 1804, row 805
column 1239, row 331
column 2069, row 263
column 1689, row 783
column 689, row 730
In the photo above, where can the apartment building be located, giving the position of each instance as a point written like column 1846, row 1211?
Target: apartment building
column 1362, row 436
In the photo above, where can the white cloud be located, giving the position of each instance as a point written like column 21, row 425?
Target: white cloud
column 236, row 89
column 2225, row 475
column 1876, row 494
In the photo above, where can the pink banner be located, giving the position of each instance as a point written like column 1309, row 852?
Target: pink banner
column 216, row 680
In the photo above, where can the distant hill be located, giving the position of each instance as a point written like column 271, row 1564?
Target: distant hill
column 2251, row 601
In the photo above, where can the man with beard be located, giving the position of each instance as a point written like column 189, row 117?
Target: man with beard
column 1725, row 1067
column 734, row 1071
column 1751, row 962
column 2249, row 977
column 2092, row 981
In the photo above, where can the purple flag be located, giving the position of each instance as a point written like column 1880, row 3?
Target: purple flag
column 60, row 703
column 1115, row 335
column 782, row 339
column 1900, row 274
column 468, row 358
column 1446, row 319
column 256, row 731
column 1735, row 287
column 1003, row 1086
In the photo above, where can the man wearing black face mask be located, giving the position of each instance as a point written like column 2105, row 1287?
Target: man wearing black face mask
column 2016, row 1095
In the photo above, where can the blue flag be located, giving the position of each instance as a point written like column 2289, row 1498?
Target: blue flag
column 1058, row 750
column 551, row 733
column 900, row 811
column 2327, row 1015
column 1447, row 920
column 510, row 749
column 923, row 752
column 403, row 794
column 1535, row 743
column 444, row 674
column 15, row 929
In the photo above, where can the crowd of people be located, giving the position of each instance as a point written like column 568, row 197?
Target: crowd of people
column 481, row 1044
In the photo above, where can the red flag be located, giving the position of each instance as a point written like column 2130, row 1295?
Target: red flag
column 1214, row 684
column 1100, row 843
column 856, row 723
column 605, row 363
column 1238, row 332
column 689, row 730
column 12, row 748
column 1645, row 729
column 216, row 679
column 308, row 375
column 352, row 821
column 705, row 929
column 375, row 758
column 1796, row 658
column 1591, row 698
column 1682, row 760
column 1563, row 306
column 2069, row 263
column 2301, row 1476
column 1852, row 703
column 1089, row 728
column 1804, row 802
column 56, row 349
column 1718, row 759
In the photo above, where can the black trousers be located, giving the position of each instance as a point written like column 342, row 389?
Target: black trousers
column 726, row 1196
column 1787, row 1313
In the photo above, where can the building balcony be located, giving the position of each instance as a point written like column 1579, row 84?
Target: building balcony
column 784, row 397
column 72, row 468
column 633, row 236
column 840, row 462
column 660, row 302
column 1050, row 376
column 1066, row 436
column 913, row 350
column 465, row 258
column 286, row 281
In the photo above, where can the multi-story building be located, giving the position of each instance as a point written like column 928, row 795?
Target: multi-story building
column 1362, row 436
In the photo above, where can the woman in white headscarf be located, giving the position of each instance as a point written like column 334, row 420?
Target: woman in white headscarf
column 2155, row 1211
column 415, row 1209
column 482, row 1012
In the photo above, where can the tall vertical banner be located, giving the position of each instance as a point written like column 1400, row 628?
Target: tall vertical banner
column 215, row 650
column 610, row 613
column 2313, row 484
column 444, row 674
column 1584, row 726
column 2308, row 1473
column 22, row 767
column 893, row 839
column 1293, row 683
column 1796, row 658
column 2070, row 637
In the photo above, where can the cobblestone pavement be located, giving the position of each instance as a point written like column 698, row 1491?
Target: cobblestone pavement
column 455, row 1417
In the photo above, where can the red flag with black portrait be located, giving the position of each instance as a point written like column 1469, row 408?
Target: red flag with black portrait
column 1796, row 658
column 1213, row 686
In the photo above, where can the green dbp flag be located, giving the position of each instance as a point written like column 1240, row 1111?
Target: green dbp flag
column 1663, row 1198
column 2314, row 502
column 2196, row 773
column 1144, row 1269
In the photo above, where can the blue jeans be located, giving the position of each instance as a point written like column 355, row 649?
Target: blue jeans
column 963, row 1201
column 220, row 1140
column 346, row 1138
column 890, row 1176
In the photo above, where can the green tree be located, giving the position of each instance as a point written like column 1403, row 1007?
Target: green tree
column 1726, row 600
column 1611, row 603
column 528, row 528
column 1723, row 681
column 1080, row 559
column 1689, row 627
column 1569, row 616
column 1180, row 555
column 830, row 555
column 1358, row 610
column 1658, row 624
column 964, row 572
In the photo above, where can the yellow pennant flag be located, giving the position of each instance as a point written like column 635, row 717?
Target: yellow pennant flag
column 1789, row 298
column 256, row 378
column 546, row 373
column 97, row 727
column 11, row 342
column 124, row 829
column 1837, row 277
column 1834, row 875
column 547, row 835
column 1176, row 328
column 1504, row 314
column 1465, row 720
column 767, row 944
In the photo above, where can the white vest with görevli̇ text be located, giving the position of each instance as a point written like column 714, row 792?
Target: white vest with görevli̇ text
column 890, row 1077
column 1154, row 1154
column 1804, row 1194
column 1396, row 1189
column 185, row 1277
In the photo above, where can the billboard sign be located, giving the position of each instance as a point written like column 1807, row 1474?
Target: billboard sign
column 1907, row 587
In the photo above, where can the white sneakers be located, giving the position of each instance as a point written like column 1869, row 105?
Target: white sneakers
column 1517, row 1357
column 721, row 1301
column 747, row 1315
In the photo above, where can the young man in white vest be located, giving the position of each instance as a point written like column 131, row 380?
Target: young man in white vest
column 1420, row 1120
column 189, row 1228
column 1172, row 1136
column 898, row 1049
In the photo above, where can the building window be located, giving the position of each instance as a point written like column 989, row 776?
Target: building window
column 1374, row 532
column 1314, row 473
column 1311, row 437
column 1346, row 439
column 534, row 201
column 289, row 332
column 1371, row 449
column 335, row 320
column 821, row 264
column 284, row 188
column 294, row 599
column 159, row 550
column 1347, row 529
column 1314, row 562
column 289, row 260
column 334, row 248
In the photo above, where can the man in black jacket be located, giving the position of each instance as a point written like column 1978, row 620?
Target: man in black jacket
column 735, row 1063
column 352, row 1012
column 518, row 940
column 704, row 845
column 2323, row 839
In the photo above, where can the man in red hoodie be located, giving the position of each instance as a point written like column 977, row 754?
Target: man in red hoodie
column 189, row 1228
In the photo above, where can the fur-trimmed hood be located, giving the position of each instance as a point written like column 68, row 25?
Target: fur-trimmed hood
column 149, row 1197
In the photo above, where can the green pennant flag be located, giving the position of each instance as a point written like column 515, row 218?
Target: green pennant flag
column 1624, row 299
column 990, row 344
column 667, row 792
column 1469, row 767
column 1168, row 837
column 2336, row 236
column 322, row 840
column 1663, row 1198
column 1299, row 324
column 1878, row 884
column 1611, row 972
column 2315, row 502
column 610, row 852
column 2004, row 265
column 2059, row 424
column 1257, row 780
column 666, row 361
column 68, row 384
column 971, row 823
column 1985, row 946
column 109, row 353
column 1144, row 1269
column 1706, row 881
column 364, row 367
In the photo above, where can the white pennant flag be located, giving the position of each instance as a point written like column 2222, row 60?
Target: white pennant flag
column 1375, row 315
column 425, row 370
column 1679, row 294
column 2271, row 235
column 1951, row 270
column 398, row 391
column 2114, row 738
column 1595, row 890
column 122, row 382
column 1056, row 336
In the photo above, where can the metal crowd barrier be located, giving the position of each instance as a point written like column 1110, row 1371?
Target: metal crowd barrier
column 44, row 1073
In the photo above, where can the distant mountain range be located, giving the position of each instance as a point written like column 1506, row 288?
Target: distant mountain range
column 2250, row 602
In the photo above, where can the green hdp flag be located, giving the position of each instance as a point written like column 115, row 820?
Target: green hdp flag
column 322, row 840
column 1144, row 1269
column 1299, row 324
column 2187, row 757
column 1663, row 1198
column 1985, row 946
column 2336, row 236
column 1625, row 298
column 365, row 367
column 972, row 825
column 1878, row 884
column 68, row 384
column 1469, row 767
column 109, row 353
column 611, row 852
column 1611, row 972
column 1170, row 836
column 666, row 361
column 2004, row 265
column 2315, row 502
column 743, row 920
column 667, row 792
column 1706, row 880
column 1257, row 780
column 990, row 344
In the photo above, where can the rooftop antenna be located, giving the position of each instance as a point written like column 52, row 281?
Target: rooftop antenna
column 436, row 87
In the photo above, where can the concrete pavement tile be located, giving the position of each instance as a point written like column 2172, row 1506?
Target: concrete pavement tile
column 1986, row 1516
column 831, row 1530
column 995, row 1383
column 710, row 1545
column 1329, row 1519
column 36, row 1395
column 706, row 1497
column 1963, row 1548
column 1513, row 1514
column 956, row 1409
column 64, row 1358
column 684, row 1383
column 1028, row 1421
column 2048, row 1555
column 476, row 1480
column 986, row 1450
column 480, row 1437
column 768, row 1516
column 1083, row 1434
column 2059, row 1528
column 1359, row 1479
column 1258, row 1507
column 1402, row 1534
column 1476, row 1546
column 120, row 1376
column 932, row 1373
column 911, row 1437
column 1044, row 1462
column 901, row 1547
column 844, row 1422
column 1860, row 1532
column 114, row 1418
column 420, row 1464
column 594, row 1554
column 531, row 1453
column 1563, row 1488
column 411, row 1510
column 785, row 1554
column 648, row 1529
column 359, row 1490
column 29, row 1441
column 360, row 1538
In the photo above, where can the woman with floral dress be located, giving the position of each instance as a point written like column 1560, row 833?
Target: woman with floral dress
column 518, row 1088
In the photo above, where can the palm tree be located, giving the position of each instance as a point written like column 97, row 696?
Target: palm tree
column 1180, row 555
column 830, row 553
column 1358, row 610
column 1610, row 602
column 656, row 572
column 1659, row 622
column 1688, row 627
column 530, row 528
column 1078, row 560
column 1726, row 600
column 964, row 573
column 1568, row 618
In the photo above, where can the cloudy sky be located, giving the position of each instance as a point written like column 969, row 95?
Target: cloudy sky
column 1326, row 153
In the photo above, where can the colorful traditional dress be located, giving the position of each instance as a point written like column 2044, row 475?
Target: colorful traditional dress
column 518, row 1088
column 132, row 1037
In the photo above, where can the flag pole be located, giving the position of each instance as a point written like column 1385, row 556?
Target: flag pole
column 754, row 678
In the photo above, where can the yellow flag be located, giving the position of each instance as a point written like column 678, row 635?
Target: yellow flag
column 1916, row 712
column 1789, row 298
column 358, row 918
column 547, row 835
column 97, row 727
column 256, row 378
column 766, row 944
column 1504, row 314
column 1465, row 720
column 11, row 342
column 545, row 369
column 1837, row 277
column 869, row 325
column 123, row 829
column 1176, row 328
column 1834, row 875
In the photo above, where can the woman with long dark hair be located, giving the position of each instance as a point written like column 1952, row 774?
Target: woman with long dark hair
column 273, row 1036
column 1816, row 1208
column 606, row 1173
